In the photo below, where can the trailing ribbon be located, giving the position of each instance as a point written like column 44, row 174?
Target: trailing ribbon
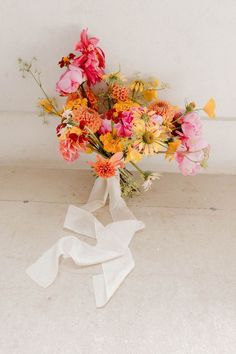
column 112, row 247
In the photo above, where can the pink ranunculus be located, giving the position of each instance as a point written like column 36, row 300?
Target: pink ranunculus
column 92, row 60
column 191, row 125
column 105, row 126
column 70, row 81
column 124, row 126
column 69, row 150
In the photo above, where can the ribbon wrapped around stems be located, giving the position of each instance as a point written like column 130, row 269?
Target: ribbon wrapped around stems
column 112, row 247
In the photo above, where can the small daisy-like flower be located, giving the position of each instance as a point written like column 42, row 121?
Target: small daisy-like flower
column 67, row 114
column 149, row 140
column 147, row 184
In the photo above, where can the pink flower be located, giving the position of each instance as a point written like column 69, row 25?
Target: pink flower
column 189, row 162
column 92, row 60
column 191, row 125
column 196, row 143
column 70, row 81
column 69, row 150
column 124, row 126
column 86, row 44
column 105, row 126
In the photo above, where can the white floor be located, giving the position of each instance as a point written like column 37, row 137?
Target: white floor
column 180, row 298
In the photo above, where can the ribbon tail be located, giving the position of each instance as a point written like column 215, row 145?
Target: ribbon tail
column 98, row 196
column 44, row 271
column 114, row 273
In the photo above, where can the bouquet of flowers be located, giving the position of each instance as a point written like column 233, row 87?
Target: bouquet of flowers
column 121, row 120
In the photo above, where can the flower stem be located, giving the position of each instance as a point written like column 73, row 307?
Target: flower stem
column 38, row 82
column 137, row 168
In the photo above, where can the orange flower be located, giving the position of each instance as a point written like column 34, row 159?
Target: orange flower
column 112, row 143
column 92, row 98
column 119, row 93
column 88, row 117
column 106, row 168
column 209, row 108
column 163, row 109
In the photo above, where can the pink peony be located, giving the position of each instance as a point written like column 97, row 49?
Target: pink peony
column 70, row 81
column 92, row 60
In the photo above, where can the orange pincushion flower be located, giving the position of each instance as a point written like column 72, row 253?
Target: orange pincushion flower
column 88, row 117
column 119, row 93
column 106, row 168
column 163, row 109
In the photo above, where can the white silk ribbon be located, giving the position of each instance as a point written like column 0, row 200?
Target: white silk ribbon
column 112, row 247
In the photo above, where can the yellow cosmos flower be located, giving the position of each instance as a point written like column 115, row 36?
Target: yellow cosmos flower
column 112, row 143
column 172, row 148
column 209, row 108
column 133, row 155
column 149, row 141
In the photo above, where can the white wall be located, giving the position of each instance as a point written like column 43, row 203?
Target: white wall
column 188, row 43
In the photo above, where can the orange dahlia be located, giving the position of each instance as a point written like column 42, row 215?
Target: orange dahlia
column 88, row 117
column 119, row 93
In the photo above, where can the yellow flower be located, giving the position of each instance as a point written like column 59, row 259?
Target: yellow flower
column 172, row 148
column 73, row 130
column 112, row 143
column 150, row 94
column 133, row 155
column 125, row 106
column 150, row 140
column 47, row 105
column 209, row 108
column 78, row 102
column 137, row 85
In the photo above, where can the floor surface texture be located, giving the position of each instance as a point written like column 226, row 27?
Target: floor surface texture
column 179, row 299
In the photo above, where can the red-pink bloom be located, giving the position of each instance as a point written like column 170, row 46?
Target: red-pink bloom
column 70, row 81
column 92, row 60
column 106, row 168
column 124, row 126
column 105, row 126
column 69, row 150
